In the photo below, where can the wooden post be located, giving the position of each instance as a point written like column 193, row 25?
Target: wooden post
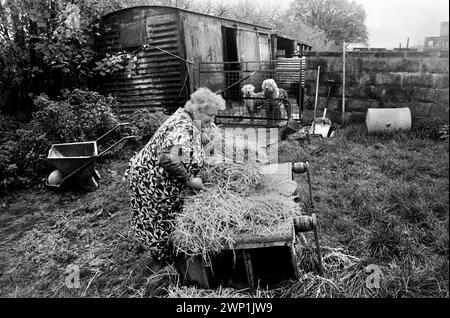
column 197, row 71
column 249, row 269
column 343, row 84
column 316, row 100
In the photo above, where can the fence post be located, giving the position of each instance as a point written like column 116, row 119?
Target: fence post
column 343, row 84
column 197, row 71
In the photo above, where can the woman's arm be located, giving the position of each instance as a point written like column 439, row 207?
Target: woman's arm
column 176, row 153
column 178, row 171
column 174, row 169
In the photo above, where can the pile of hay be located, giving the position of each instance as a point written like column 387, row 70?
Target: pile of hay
column 228, row 176
column 235, row 206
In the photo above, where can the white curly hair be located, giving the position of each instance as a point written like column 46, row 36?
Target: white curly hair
column 203, row 99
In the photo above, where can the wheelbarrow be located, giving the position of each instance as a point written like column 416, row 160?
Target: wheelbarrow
column 75, row 162
column 254, row 262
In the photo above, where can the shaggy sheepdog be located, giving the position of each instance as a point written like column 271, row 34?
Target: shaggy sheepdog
column 271, row 90
column 252, row 105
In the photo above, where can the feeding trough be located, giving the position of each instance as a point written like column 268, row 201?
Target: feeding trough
column 254, row 261
column 75, row 162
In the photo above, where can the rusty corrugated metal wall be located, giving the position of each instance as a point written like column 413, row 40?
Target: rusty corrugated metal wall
column 158, row 79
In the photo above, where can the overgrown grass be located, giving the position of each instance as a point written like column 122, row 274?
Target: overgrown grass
column 385, row 200
column 380, row 200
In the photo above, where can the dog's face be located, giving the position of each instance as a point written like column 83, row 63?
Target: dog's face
column 269, row 87
column 248, row 90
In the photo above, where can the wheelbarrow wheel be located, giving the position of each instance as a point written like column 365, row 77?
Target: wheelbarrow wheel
column 55, row 178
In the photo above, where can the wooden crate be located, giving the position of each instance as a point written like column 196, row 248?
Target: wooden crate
column 251, row 263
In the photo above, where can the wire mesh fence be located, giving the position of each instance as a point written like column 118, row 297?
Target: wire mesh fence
column 248, row 103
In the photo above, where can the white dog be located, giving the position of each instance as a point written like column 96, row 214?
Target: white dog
column 251, row 104
column 271, row 90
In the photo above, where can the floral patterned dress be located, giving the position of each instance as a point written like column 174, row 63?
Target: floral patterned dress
column 155, row 194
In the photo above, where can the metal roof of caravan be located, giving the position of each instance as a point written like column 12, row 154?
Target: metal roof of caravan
column 184, row 10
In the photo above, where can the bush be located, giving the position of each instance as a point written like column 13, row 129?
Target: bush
column 77, row 116
column 147, row 122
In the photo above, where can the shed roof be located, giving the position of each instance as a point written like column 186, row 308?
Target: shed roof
column 281, row 35
column 207, row 15
column 184, row 10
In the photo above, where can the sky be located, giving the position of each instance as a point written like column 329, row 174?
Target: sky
column 392, row 21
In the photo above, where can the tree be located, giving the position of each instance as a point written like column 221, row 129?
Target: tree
column 46, row 46
column 340, row 20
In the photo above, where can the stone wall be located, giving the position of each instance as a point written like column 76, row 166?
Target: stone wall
column 418, row 80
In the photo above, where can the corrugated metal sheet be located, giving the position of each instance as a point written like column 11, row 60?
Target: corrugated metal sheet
column 158, row 79
column 288, row 71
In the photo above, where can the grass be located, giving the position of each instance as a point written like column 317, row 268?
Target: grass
column 380, row 200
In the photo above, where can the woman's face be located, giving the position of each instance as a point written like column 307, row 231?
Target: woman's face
column 207, row 116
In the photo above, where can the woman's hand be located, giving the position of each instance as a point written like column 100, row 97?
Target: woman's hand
column 196, row 183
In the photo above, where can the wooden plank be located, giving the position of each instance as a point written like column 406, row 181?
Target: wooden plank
column 250, row 242
column 279, row 169
column 294, row 261
column 249, row 269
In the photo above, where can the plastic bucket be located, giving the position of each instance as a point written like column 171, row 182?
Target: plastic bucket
column 379, row 120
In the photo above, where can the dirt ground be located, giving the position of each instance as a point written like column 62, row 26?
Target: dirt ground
column 381, row 200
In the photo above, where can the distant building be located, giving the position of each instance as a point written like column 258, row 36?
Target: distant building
column 438, row 43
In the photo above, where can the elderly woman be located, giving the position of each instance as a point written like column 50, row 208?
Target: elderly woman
column 169, row 162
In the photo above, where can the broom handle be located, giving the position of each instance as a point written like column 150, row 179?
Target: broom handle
column 315, row 102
